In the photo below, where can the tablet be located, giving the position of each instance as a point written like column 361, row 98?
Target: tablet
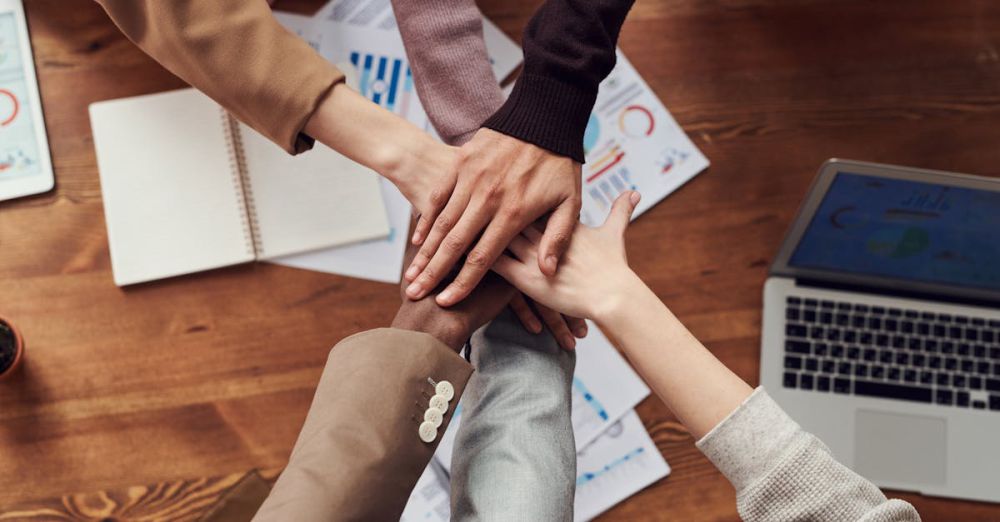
column 25, row 164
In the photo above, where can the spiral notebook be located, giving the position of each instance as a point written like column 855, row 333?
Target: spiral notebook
column 188, row 188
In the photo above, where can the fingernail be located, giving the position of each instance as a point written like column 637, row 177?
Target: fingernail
column 444, row 298
column 535, row 327
column 411, row 273
column 551, row 262
column 568, row 342
column 634, row 198
column 414, row 290
column 581, row 331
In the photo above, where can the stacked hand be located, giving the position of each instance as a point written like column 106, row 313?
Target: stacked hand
column 454, row 325
column 501, row 184
column 575, row 290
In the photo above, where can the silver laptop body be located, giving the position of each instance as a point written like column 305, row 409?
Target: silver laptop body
column 881, row 326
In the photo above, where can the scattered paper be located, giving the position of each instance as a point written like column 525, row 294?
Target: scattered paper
column 605, row 388
column 633, row 143
column 619, row 464
column 430, row 500
column 505, row 55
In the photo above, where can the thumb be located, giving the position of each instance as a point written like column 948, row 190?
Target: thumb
column 621, row 212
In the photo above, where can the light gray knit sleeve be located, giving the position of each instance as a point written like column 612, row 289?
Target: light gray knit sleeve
column 781, row 472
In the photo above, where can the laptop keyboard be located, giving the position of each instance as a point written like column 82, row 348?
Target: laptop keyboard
column 891, row 353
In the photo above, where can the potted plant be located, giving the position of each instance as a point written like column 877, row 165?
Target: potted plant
column 11, row 349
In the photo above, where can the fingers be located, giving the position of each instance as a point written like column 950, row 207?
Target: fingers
column 558, row 232
column 525, row 314
column 448, row 253
column 577, row 326
column 515, row 272
column 437, row 202
column 423, row 226
column 479, row 260
column 621, row 212
column 522, row 248
column 554, row 321
column 439, row 229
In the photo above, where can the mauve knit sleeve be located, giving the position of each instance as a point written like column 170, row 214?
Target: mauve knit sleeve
column 569, row 47
column 447, row 54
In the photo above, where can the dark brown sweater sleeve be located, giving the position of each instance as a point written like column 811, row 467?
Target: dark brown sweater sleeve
column 569, row 47
column 237, row 53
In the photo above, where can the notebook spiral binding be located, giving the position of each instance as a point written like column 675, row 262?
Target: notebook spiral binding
column 241, row 182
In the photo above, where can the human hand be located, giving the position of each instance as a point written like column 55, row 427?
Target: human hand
column 594, row 275
column 454, row 325
column 564, row 328
column 502, row 185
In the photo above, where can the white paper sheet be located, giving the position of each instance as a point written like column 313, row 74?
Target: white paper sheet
column 505, row 55
column 430, row 500
column 619, row 464
column 632, row 142
column 605, row 388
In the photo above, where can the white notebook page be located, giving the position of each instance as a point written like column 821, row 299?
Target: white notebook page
column 317, row 199
column 169, row 197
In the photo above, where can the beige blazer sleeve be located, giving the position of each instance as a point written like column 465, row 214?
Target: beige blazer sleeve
column 359, row 454
column 237, row 53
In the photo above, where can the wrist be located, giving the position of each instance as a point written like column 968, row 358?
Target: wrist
column 450, row 333
column 617, row 305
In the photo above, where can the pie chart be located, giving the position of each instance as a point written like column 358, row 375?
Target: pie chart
column 9, row 107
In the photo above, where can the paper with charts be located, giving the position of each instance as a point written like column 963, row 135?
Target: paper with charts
column 632, row 142
column 19, row 154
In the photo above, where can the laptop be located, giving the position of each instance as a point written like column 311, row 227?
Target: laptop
column 881, row 326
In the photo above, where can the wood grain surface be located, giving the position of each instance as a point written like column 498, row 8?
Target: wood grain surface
column 155, row 398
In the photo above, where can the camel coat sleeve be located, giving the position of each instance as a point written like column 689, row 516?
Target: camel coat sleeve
column 237, row 53
column 359, row 454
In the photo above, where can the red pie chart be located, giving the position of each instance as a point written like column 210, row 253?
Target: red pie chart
column 9, row 107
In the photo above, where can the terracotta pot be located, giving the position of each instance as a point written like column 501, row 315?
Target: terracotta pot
column 9, row 334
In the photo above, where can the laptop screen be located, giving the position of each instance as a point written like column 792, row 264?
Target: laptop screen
column 905, row 230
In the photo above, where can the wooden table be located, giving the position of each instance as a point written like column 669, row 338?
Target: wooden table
column 183, row 385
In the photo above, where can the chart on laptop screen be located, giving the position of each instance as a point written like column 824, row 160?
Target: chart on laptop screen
column 18, row 149
column 905, row 230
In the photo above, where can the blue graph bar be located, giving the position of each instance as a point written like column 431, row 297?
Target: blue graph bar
column 379, row 77
column 591, row 400
column 366, row 71
column 593, row 475
column 396, row 66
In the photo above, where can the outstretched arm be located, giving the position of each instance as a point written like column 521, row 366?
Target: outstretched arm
column 237, row 53
column 780, row 471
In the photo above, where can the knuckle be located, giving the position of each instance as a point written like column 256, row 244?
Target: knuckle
column 513, row 212
column 429, row 276
column 438, row 198
column 444, row 223
column 477, row 259
column 560, row 239
column 453, row 245
column 495, row 190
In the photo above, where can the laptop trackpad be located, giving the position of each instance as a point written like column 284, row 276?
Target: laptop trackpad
column 900, row 448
